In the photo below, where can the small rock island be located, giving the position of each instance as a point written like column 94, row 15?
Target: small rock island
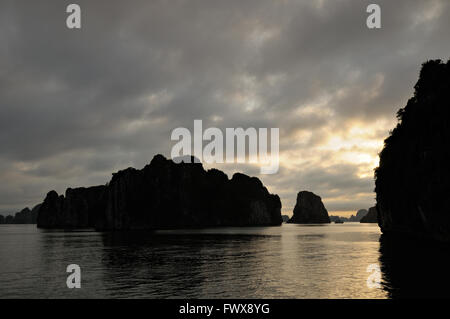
column 309, row 209
column 164, row 195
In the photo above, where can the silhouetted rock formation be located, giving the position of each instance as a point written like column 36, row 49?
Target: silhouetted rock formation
column 164, row 195
column 78, row 209
column 25, row 216
column 285, row 218
column 413, row 179
column 371, row 216
column 337, row 218
column 359, row 215
column 309, row 209
column 35, row 213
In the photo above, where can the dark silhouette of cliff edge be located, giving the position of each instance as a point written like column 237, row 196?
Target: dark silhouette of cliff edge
column 309, row 209
column 80, row 208
column 413, row 178
column 164, row 195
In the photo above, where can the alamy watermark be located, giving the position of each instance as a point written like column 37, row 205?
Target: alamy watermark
column 74, row 279
column 374, row 19
column 374, row 279
column 234, row 148
column 73, row 20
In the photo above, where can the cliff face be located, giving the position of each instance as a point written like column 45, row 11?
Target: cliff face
column 309, row 209
column 165, row 195
column 34, row 213
column 78, row 209
column 412, row 181
column 23, row 217
column 371, row 216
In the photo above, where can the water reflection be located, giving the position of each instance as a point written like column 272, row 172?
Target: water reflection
column 170, row 265
column 276, row 262
column 414, row 269
column 291, row 261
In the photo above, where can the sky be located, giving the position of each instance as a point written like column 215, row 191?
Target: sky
column 78, row 105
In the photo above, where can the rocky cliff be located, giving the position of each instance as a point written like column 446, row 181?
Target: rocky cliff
column 371, row 216
column 413, row 178
column 80, row 208
column 309, row 209
column 23, row 217
column 164, row 195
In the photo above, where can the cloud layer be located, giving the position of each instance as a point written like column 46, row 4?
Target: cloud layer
column 76, row 106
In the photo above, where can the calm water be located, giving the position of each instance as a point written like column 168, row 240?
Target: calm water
column 291, row 261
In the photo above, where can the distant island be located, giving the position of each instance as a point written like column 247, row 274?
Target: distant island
column 413, row 178
column 362, row 216
column 353, row 218
column 25, row 216
column 164, row 195
column 309, row 209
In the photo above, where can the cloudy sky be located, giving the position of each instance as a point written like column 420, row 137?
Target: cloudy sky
column 77, row 105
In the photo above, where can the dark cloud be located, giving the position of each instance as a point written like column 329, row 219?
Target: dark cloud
column 78, row 105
